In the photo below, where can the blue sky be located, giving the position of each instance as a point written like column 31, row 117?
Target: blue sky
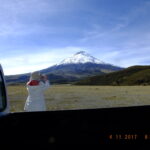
column 35, row 34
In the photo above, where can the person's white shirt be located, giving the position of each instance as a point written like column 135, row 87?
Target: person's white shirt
column 35, row 100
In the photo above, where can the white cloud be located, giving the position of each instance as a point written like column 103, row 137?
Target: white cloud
column 36, row 61
column 19, row 17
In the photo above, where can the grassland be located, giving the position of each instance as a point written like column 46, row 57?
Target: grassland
column 60, row 97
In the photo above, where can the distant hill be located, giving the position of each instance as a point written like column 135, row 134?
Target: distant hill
column 135, row 75
column 22, row 79
column 71, row 69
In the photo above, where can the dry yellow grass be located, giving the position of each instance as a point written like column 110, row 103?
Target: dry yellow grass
column 60, row 97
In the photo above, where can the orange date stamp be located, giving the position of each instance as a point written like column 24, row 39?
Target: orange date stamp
column 123, row 137
column 128, row 137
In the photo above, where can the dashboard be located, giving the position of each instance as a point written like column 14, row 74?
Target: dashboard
column 129, row 125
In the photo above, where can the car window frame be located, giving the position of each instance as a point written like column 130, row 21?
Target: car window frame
column 4, row 101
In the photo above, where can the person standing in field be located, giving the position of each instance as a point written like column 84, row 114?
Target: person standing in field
column 36, row 86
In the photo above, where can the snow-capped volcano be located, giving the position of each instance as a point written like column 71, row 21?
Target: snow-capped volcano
column 81, row 57
column 71, row 69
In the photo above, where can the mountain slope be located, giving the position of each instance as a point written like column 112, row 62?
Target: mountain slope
column 80, row 70
column 71, row 69
column 135, row 75
column 80, row 65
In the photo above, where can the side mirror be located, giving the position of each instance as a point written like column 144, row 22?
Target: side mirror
column 3, row 94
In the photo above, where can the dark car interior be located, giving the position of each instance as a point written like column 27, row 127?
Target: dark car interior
column 94, row 126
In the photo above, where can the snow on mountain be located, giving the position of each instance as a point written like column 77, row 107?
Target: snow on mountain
column 81, row 57
column 78, row 66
